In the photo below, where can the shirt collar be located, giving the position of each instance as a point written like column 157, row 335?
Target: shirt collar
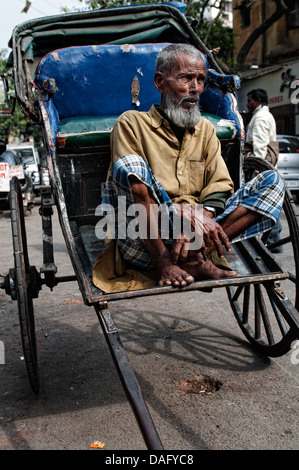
column 155, row 116
column 257, row 109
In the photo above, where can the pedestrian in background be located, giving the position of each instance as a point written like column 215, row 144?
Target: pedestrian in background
column 261, row 141
column 261, row 131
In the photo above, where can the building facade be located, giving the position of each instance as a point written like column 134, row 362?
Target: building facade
column 272, row 63
column 226, row 16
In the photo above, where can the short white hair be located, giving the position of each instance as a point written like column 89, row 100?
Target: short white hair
column 167, row 57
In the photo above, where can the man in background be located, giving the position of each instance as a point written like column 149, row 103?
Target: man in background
column 261, row 140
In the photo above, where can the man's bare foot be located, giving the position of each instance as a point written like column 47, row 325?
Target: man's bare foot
column 200, row 269
column 195, row 269
column 171, row 274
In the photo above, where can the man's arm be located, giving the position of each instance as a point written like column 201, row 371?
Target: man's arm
column 123, row 140
column 216, row 201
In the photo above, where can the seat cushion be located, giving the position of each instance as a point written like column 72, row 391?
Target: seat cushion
column 84, row 132
column 225, row 128
column 92, row 131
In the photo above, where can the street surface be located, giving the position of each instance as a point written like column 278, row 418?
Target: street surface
column 171, row 340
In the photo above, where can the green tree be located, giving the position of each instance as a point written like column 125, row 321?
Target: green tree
column 213, row 33
column 14, row 125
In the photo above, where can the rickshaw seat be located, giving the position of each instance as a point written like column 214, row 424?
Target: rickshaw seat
column 84, row 132
column 86, row 88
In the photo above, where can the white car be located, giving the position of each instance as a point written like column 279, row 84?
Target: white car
column 288, row 161
column 10, row 165
column 31, row 162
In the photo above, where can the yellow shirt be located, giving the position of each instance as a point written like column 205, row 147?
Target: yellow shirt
column 188, row 172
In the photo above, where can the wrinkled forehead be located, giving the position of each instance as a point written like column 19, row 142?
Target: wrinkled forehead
column 186, row 61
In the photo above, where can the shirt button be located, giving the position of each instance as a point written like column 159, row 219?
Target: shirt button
column 180, row 173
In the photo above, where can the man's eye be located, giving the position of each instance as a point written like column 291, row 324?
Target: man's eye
column 185, row 79
column 190, row 78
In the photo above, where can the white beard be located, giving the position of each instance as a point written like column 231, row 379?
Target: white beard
column 180, row 117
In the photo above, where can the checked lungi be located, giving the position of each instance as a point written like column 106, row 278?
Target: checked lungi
column 263, row 194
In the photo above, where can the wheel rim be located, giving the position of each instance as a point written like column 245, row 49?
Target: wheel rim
column 289, row 238
column 265, row 311
column 22, row 281
column 263, row 316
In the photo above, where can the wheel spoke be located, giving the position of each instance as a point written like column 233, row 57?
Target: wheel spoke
column 237, row 293
column 263, row 314
column 257, row 319
column 280, row 319
column 246, row 301
column 292, row 277
column 280, row 243
column 288, row 311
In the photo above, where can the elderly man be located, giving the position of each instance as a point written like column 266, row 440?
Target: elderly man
column 170, row 157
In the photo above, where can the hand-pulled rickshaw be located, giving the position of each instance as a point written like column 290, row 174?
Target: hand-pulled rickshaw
column 74, row 74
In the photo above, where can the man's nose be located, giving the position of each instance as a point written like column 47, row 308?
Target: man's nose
column 195, row 86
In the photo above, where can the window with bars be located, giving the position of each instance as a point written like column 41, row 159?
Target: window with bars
column 244, row 8
column 293, row 14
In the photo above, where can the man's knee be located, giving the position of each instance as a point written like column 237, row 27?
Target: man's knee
column 271, row 177
column 269, row 181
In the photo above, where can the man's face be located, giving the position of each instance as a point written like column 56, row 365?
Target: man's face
column 251, row 103
column 180, row 90
column 183, row 86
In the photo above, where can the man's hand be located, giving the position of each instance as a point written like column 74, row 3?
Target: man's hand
column 214, row 236
column 180, row 249
column 205, row 229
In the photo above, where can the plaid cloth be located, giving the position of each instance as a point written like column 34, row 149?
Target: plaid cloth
column 263, row 194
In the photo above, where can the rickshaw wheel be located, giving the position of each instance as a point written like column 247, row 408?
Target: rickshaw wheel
column 264, row 311
column 23, row 276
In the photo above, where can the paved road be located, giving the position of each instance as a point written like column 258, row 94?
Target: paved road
column 170, row 340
